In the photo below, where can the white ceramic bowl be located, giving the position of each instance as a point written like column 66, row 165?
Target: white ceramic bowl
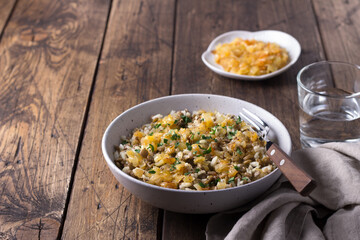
column 181, row 200
column 284, row 40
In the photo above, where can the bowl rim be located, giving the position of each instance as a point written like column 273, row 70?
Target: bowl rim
column 112, row 165
column 220, row 71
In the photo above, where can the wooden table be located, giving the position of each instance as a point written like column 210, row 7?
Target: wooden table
column 67, row 68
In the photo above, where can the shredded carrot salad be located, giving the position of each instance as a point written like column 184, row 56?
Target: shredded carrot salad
column 250, row 57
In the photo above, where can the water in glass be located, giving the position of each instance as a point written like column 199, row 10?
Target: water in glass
column 325, row 119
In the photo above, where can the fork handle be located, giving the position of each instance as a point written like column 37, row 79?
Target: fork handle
column 303, row 183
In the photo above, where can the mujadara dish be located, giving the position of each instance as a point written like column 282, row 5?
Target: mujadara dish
column 250, row 57
column 194, row 151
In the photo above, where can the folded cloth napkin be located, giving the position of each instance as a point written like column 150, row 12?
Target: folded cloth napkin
column 332, row 211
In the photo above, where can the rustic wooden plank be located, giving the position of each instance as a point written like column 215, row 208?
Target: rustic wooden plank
column 184, row 226
column 339, row 28
column 135, row 66
column 198, row 22
column 48, row 55
column 6, row 8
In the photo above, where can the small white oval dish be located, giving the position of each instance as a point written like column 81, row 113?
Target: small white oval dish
column 284, row 40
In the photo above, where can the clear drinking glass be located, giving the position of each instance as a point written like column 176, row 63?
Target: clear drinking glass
column 329, row 99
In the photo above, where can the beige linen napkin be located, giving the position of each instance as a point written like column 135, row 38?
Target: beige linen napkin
column 332, row 211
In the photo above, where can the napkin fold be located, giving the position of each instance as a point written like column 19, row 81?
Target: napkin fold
column 332, row 211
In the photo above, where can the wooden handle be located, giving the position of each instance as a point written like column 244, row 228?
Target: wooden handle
column 297, row 177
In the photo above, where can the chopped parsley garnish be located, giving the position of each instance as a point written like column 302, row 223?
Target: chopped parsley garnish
column 160, row 144
column 238, row 120
column 239, row 151
column 207, row 151
column 197, row 170
column 150, row 134
column 176, row 121
column 205, row 137
column 177, row 144
column 231, row 135
column 186, row 119
column 202, row 184
column 187, row 173
column 151, row 171
column 124, row 142
column 137, row 150
column 189, row 147
column 157, row 125
column 165, row 140
column 175, row 136
column 237, row 168
column 151, row 147
column 213, row 130
column 245, row 179
column 172, row 168
column 231, row 179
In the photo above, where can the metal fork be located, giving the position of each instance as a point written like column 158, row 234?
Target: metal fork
column 302, row 182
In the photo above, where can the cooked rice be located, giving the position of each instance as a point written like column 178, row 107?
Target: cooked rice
column 194, row 151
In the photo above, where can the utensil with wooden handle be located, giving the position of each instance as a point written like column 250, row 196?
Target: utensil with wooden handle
column 302, row 182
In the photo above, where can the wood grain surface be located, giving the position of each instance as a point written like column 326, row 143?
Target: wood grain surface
column 48, row 55
column 69, row 67
column 6, row 8
column 198, row 22
column 135, row 66
column 340, row 29
column 201, row 21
